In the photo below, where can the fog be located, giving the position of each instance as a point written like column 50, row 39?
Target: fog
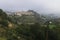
column 41, row 6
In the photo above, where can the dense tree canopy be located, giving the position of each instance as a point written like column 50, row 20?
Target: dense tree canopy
column 41, row 30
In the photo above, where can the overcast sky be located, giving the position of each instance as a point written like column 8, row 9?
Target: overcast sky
column 44, row 6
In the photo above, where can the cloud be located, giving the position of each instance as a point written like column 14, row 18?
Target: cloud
column 44, row 6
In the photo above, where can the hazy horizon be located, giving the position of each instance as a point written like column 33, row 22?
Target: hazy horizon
column 42, row 6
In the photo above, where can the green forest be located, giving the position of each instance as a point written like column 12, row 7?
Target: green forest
column 18, row 28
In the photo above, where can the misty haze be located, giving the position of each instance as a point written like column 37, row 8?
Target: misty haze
column 29, row 19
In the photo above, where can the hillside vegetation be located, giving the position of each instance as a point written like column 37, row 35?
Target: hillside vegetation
column 29, row 27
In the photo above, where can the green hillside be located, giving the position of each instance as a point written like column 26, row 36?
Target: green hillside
column 28, row 27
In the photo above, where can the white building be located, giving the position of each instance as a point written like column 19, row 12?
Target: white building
column 23, row 13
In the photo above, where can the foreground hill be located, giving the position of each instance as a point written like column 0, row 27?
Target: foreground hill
column 17, row 26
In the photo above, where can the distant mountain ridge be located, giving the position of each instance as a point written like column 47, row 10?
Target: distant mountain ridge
column 20, row 13
column 29, row 17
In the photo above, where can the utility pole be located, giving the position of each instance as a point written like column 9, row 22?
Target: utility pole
column 47, row 29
